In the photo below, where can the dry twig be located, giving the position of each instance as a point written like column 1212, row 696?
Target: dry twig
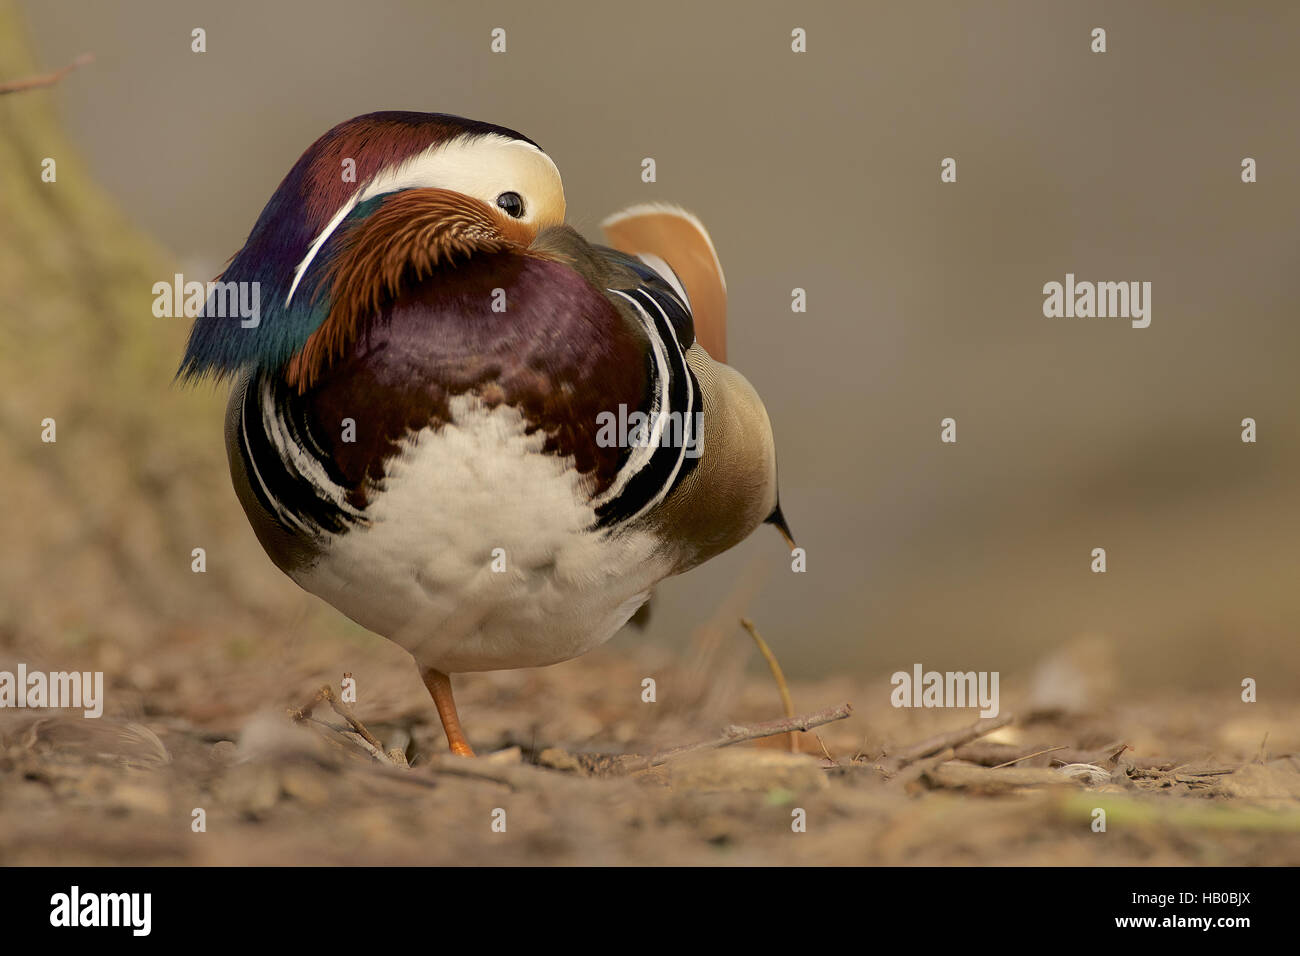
column 960, row 776
column 371, row 743
column 1037, row 753
column 737, row 733
column 46, row 79
column 950, row 740
column 786, row 700
column 915, row 771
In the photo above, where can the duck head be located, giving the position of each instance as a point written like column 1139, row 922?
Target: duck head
column 379, row 200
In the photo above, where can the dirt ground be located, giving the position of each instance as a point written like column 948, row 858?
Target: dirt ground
column 1201, row 783
column 202, row 669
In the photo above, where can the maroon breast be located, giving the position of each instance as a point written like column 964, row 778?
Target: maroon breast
column 559, row 352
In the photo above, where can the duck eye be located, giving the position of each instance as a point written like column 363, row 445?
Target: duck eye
column 512, row 203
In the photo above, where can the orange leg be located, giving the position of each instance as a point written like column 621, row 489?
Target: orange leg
column 439, row 685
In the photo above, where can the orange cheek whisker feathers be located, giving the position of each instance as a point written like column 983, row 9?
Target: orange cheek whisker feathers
column 406, row 239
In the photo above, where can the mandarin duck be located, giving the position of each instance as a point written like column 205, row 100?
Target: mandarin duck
column 461, row 424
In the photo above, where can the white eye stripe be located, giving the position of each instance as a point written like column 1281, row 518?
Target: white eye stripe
column 479, row 166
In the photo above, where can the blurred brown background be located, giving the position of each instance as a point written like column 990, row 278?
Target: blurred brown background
column 818, row 170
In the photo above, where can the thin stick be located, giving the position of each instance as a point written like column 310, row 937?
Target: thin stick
column 46, row 79
column 1049, row 750
column 952, row 739
column 915, row 771
column 786, row 700
column 326, row 693
column 737, row 733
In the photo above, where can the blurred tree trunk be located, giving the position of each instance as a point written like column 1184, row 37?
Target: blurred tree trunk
column 101, row 524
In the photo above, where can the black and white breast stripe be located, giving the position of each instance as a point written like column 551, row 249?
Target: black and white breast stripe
column 289, row 473
column 671, row 451
column 297, row 483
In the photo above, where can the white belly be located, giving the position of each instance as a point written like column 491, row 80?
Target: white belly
column 476, row 555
